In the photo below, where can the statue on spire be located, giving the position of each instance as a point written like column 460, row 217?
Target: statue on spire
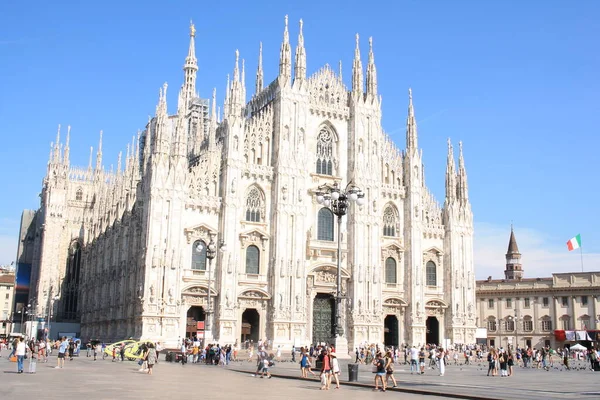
column 192, row 29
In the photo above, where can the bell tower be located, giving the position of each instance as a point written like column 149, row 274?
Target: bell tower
column 514, row 269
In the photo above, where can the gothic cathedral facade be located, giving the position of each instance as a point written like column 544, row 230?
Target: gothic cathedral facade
column 223, row 209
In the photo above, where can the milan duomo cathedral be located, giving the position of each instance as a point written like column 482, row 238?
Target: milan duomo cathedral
column 204, row 205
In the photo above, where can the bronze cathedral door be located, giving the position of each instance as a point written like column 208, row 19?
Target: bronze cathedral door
column 323, row 318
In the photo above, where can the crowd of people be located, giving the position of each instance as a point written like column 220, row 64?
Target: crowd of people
column 321, row 358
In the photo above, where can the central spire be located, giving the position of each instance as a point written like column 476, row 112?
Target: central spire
column 190, row 67
column 285, row 56
column 300, row 61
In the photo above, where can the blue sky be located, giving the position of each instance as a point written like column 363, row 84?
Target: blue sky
column 516, row 81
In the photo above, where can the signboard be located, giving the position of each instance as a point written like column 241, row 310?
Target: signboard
column 200, row 334
column 481, row 333
column 200, row 325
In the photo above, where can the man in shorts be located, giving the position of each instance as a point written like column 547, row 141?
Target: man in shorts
column 62, row 350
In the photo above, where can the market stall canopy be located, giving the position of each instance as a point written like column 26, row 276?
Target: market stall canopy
column 578, row 347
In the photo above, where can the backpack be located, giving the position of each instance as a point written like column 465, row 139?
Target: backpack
column 489, row 357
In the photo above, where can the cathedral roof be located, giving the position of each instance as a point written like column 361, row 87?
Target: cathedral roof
column 512, row 243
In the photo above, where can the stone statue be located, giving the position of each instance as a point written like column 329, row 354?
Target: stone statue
column 171, row 293
column 297, row 303
column 233, row 185
column 284, row 191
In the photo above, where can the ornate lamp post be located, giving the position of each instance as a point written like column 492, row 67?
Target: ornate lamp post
column 338, row 201
column 211, row 253
column 516, row 320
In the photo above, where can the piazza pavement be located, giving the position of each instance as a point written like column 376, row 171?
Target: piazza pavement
column 103, row 379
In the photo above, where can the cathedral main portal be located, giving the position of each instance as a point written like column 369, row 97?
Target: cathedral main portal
column 323, row 318
column 433, row 331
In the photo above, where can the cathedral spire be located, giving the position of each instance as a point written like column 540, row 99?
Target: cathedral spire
column 213, row 108
column 191, row 67
column 67, row 148
column 236, row 69
column 285, row 56
column 99, row 154
column 341, row 78
column 119, row 162
column 411, row 125
column 57, row 159
column 371, row 72
column 463, row 188
column 259, row 71
column 91, row 158
column 450, row 175
column 357, row 71
column 300, row 61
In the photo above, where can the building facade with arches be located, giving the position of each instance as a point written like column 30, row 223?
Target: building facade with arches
column 552, row 311
column 246, row 182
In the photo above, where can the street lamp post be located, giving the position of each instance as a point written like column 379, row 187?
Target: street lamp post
column 516, row 321
column 338, row 201
column 24, row 310
column 211, row 253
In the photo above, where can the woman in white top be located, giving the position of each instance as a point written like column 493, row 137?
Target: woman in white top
column 335, row 369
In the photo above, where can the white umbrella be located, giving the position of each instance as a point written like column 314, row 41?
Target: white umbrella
column 578, row 347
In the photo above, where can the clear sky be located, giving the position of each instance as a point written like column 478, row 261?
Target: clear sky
column 517, row 82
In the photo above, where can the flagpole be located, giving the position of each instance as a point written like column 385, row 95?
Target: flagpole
column 581, row 252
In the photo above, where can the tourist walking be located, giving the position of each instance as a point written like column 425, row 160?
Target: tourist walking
column 492, row 362
column 379, row 366
column 389, row 368
column 325, row 371
column 335, row 370
column 441, row 356
column 63, row 346
column 151, row 357
column 20, row 352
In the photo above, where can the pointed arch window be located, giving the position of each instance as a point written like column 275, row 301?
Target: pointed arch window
column 252, row 260
column 199, row 255
column 325, row 152
column 431, row 273
column 389, row 221
column 391, row 275
column 79, row 194
column 254, row 205
column 325, row 225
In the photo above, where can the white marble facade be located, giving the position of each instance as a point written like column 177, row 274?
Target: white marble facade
column 248, row 180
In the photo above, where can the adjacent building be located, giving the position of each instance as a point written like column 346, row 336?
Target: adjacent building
column 7, row 289
column 553, row 311
column 126, row 252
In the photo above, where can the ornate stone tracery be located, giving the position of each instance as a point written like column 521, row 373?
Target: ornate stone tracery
column 255, row 205
column 203, row 232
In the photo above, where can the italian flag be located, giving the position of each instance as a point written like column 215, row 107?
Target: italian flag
column 574, row 243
